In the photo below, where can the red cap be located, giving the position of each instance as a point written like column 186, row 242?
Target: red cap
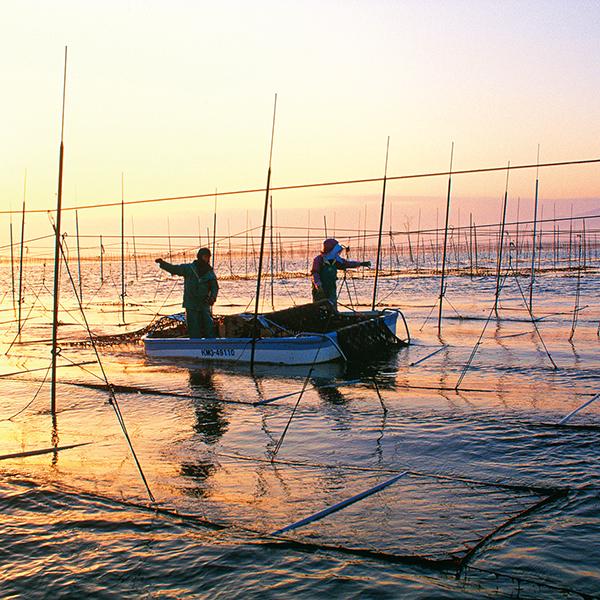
column 329, row 244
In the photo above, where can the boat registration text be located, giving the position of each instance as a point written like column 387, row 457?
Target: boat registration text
column 217, row 352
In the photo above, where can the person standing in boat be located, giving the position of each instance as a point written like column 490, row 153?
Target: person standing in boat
column 324, row 271
column 200, row 289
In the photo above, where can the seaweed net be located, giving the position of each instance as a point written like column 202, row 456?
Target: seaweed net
column 169, row 326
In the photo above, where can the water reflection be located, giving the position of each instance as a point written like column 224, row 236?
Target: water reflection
column 54, row 440
column 329, row 394
column 210, row 424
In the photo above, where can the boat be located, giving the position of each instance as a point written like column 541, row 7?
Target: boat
column 309, row 334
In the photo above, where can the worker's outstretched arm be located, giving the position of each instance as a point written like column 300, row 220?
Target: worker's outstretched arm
column 173, row 269
column 342, row 263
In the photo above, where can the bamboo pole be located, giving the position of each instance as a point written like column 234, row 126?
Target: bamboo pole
column 214, row 239
column 229, row 248
column 280, row 251
column 577, row 295
column 476, row 247
column 541, row 237
column 437, row 241
column 134, row 249
column 442, row 291
column 458, row 242
column 517, row 233
column 410, row 250
column 278, row 247
column 255, row 329
column 123, row 248
column 21, row 254
column 501, row 241
column 533, row 246
column 57, row 245
column 101, row 261
column 390, row 241
column 78, row 256
column 12, row 267
column 246, row 246
column 567, row 418
column 169, row 239
column 271, row 251
column 41, row 451
column 583, row 233
column 381, row 214
column 554, row 240
column 570, row 237
column 340, row 505
column 364, row 254
column 308, row 265
column 418, row 239
column 471, row 243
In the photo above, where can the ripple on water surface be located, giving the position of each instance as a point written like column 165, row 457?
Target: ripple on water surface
column 65, row 529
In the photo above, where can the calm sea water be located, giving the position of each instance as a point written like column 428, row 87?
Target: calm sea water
column 78, row 521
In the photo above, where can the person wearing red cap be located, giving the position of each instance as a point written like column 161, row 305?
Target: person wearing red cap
column 324, row 271
column 200, row 289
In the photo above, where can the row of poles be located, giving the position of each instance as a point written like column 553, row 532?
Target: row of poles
column 469, row 247
column 289, row 262
column 267, row 204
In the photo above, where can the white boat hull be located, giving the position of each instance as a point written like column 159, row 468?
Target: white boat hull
column 303, row 349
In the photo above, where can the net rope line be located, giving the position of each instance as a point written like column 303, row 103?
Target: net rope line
column 533, row 489
column 140, row 390
column 218, row 530
column 36, row 394
column 14, row 375
column 112, row 396
column 285, row 430
column 550, row 495
column 259, row 537
column 359, row 234
column 82, row 367
column 28, row 316
column 479, row 341
column 533, row 320
column 318, row 184
column 529, row 580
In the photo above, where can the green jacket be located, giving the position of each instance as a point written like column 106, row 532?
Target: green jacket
column 198, row 290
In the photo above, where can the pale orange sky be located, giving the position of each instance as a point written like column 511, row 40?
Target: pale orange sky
column 179, row 95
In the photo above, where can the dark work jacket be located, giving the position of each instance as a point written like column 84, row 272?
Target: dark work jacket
column 324, row 272
column 198, row 290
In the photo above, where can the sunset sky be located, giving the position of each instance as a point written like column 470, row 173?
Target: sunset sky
column 179, row 97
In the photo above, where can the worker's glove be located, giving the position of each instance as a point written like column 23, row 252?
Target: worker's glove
column 367, row 263
column 158, row 261
column 320, row 293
